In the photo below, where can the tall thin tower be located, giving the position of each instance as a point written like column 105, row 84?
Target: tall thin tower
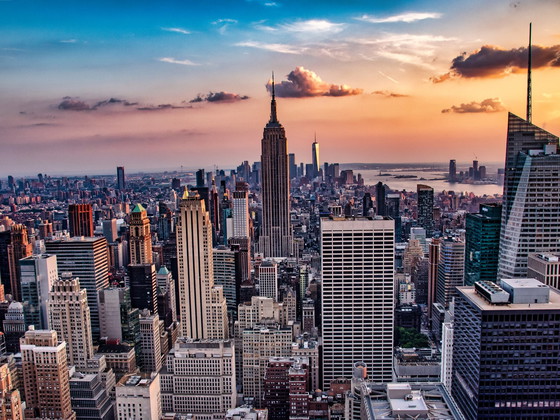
column 315, row 157
column 276, row 231
column 140, row 236
column 531, row 204
column 203, row 310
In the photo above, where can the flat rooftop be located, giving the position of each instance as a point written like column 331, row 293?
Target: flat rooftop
column 484, row 305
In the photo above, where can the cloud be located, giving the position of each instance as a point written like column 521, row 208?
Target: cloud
column 279, row 48
column 224, row 24
column 313, row 26
column 389, row 94
column 172, row 60
column 69, row 104
column 219, row 97
column 113, row 101
column 492, row 61
column 306, row 83
column 161, row 107
column 68, row 41
column 177, row 30
column 403, row 17
column 487, row 105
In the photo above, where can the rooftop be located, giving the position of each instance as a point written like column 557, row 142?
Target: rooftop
column 469, row 293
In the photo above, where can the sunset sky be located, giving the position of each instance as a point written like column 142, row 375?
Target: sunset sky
column 86, row 86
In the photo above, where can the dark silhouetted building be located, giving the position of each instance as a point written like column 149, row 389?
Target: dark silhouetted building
column 426, row 208
column 80, row 219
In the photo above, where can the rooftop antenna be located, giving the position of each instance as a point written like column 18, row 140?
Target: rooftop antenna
column 273, row 116
column 529, row 93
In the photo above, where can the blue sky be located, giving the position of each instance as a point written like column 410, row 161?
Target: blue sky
column 364, row 71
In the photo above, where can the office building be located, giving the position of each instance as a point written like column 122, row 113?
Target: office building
column 80, row 219
column 292, row 165
column 119, row 320
column 38, row 273
column 69, row 316
column 139, row 397
column 45, row 376
column 110, row 230
column 505, row 350
column 450, row 269
column 531, row 204
column 433, row 261
column 14, row 326
column 268, row 280
column 260, row 343
column 18, row 248
column 121, row 183
column 276, row 229
column 482, row 241
column 380, row 192
column 358, row 293
column 151, row 345
column 452, row 176
column 89, row 397
column 199, row 378
column 140, row 241
column 143, row 286
column 241, row 219
column 425, row 208
column 167, row 307
column 545, row 267
column 203, row 309
column 225, row 276
column 392, row 202
column 87, row 259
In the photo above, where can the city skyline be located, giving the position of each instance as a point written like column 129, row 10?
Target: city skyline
column 183, row 78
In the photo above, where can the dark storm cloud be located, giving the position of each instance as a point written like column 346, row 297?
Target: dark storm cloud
column 219, row 97
column 491, row 61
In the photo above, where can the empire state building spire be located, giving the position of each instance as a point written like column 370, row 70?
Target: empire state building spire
column 273, row 116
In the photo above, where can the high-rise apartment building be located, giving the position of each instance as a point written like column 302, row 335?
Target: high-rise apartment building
column 531, row 202
column 425, row 206
column 10, row 398
column 87, row 259
column 121, row 182
column 38, row 274
column 482, row 241
column 505, row 350
column 276, row 229
column 69, row 316
column 80, row 219
column 203, row 309
column 45, row 376
column 18, row 248
column 358, row 293
column 199, row 378
column 140, row 241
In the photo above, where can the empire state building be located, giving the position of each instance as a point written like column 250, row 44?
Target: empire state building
column 276, row 231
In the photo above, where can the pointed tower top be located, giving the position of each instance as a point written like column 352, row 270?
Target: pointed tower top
column 529, row 93
column 185, row 194
column 273, row 116
column 315, row 138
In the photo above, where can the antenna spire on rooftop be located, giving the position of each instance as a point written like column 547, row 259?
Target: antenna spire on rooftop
column 529, row 92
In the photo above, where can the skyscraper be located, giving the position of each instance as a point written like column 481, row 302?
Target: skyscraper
column 450, row 269
column 143, row 286
column 80, row 219
column 241, row 211
column 69, row 316
column 357, row 267
column 505, row 350
column 18, row 248
column 531, row 204
column 203, row 310
column 426, row 208
column 140, row 242
column 276, row 230
column 452, row 171
column 121, row 183
column 45, row 376
column 380, row 199
column 87, row 259
column 315, row 158
column 481, row 244
column 268, row 280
